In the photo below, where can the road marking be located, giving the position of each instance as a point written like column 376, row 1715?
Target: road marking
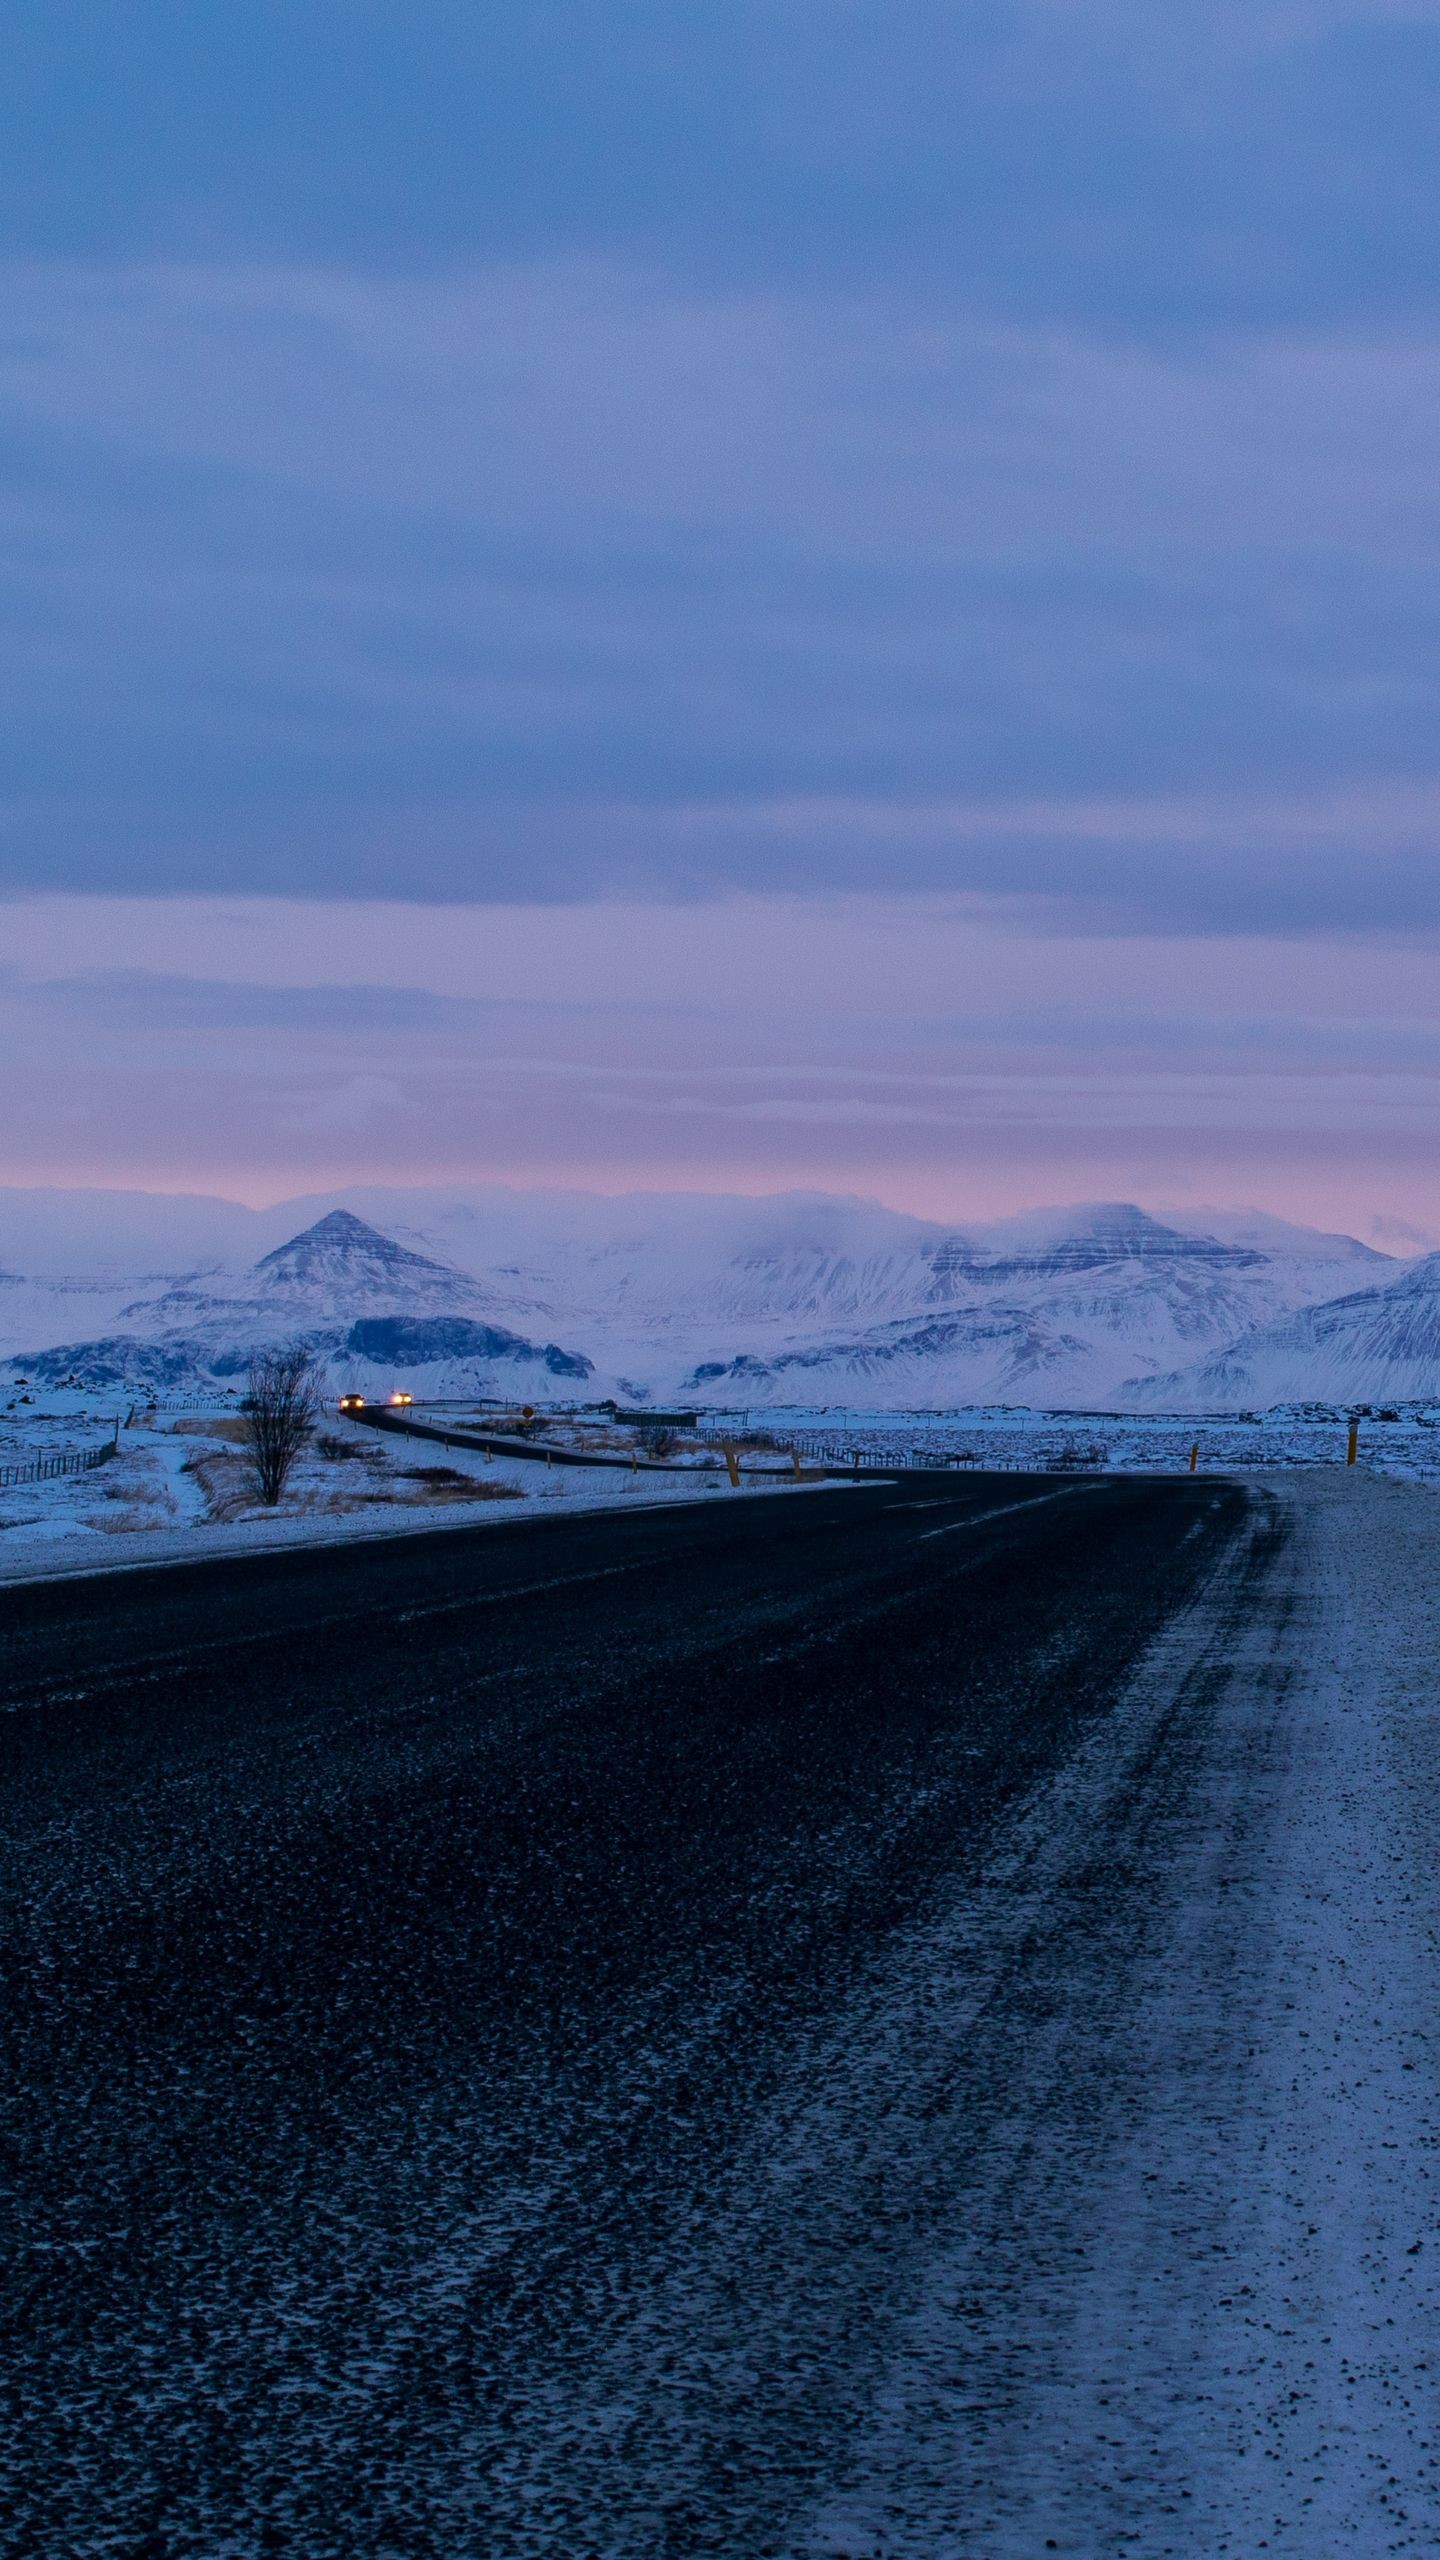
column 976, row 1519
column 511, row 1591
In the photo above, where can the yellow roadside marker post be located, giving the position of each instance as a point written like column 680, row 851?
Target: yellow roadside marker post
column 732, row 1467
column 795, row 1462
column 1194, row 1456
column 1353, row 1443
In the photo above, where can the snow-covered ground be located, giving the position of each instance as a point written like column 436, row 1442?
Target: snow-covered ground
column 1003, row 1436
column 1219, row 2218
column 178, row 1486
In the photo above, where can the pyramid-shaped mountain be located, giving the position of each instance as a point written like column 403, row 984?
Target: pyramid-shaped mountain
column 343, row 1261
column 365, row 1305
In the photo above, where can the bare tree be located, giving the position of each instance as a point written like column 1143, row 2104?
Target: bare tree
column 279, row 1415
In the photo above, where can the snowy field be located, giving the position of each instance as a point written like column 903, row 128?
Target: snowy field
column 1405, row 1441
column 178, row 1486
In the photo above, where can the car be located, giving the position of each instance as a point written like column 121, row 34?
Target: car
column 398, row 1398
column 352, row 1404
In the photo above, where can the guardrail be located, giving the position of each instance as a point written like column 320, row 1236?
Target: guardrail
column 545, row 1453
column 74, row 1462
column 783, row 1455
column 1183, row 1446
column 408, row 1419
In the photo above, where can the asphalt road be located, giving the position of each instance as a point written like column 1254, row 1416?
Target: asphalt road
column 473, row 2080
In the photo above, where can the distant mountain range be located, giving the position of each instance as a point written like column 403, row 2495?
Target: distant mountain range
column 796, row 1298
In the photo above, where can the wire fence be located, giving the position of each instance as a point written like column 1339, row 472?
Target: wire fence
column 830, row 1453
column 885, row 1453
column 72, row 1462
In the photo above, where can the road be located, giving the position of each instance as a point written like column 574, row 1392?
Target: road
column 657, row 2035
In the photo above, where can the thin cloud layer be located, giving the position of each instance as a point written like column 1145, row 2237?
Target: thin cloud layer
column 850, row 588
column 918, row 1050
column 561, row 580
column 1192, row 165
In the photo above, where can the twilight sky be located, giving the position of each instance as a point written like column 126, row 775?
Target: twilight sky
column 724, row 591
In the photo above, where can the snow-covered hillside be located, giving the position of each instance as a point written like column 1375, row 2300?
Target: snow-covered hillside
column 795, row 1297
column 367, row 1306
column 1371, row 1346
column 1072, row 1308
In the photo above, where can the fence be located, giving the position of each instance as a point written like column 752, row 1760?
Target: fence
column 833, row 1453
column 75, row 1462
column 1107, row 1444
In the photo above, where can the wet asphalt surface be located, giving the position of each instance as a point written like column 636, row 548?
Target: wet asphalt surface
column 424, row 1964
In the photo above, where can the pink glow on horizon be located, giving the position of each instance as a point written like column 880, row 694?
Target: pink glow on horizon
column 945, row 1056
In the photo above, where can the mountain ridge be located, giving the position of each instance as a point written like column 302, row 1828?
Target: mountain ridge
column 1373, row 1346
column 1101, row 1304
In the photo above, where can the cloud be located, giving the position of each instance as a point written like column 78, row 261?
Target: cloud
column 560, row 579
column 945, row 1057
column 1197, row 164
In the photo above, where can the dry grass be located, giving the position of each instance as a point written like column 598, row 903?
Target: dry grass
column 225, row 1480
column 332, row 1478
column 131, row 1506
column 448, row 1484
column 343, row 1452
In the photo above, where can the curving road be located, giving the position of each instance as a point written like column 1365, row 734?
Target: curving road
column 604, row 2035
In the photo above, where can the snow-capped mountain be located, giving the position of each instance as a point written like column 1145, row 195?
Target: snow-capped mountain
column 670, row 1283
column 1063, row 1310
column 795, row 1297
column 340, row 1265
column 1263, row 1233
column 1373, row 1346
column 366, row 1306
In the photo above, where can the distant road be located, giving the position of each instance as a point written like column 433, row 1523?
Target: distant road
column 513, row 2042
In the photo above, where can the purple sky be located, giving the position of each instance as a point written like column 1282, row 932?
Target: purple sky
column 939, row 1053
column 774, row 591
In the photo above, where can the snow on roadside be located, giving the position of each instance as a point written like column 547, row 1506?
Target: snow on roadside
column 177, row 1489
column 1194, row 2311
